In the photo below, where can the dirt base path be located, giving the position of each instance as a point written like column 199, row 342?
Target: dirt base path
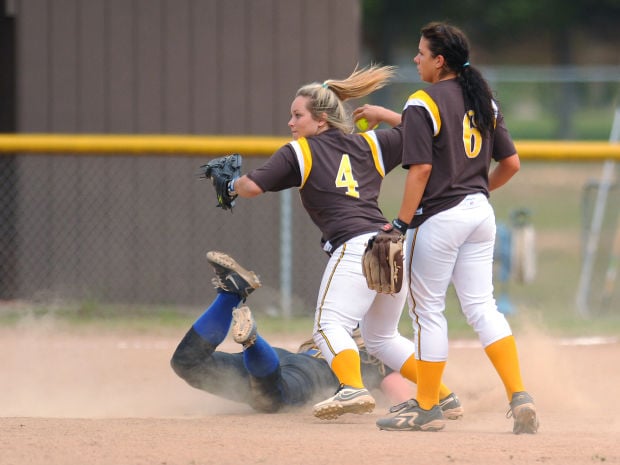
column 100, row 397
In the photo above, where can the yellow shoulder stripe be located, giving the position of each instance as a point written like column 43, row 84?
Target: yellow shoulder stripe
column 422, row 99
column 307, row 155
column 372, row 143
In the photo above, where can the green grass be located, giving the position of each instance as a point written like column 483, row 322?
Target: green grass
column 88, row 313
column 170, row 321
column 533, row 110
column 135, row 318
column 545, row 127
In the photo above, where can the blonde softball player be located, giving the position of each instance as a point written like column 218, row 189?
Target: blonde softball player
column 339, row 175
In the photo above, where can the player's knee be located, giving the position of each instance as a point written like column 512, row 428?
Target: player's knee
column 189, row 355
column 189, row 371
column 181, row 365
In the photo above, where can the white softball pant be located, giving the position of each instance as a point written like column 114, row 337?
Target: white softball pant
column 344, row 301
column 455, row 246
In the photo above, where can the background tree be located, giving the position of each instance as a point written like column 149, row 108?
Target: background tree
column 562, row 29
column 515, row 32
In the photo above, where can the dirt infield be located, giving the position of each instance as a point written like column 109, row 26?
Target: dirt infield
column 104, row 397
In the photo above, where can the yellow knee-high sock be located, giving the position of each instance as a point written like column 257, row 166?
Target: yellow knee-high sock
column 409, row 370
column 346, row 365
column 503, row 356
column 444, row 391
column 429, row 379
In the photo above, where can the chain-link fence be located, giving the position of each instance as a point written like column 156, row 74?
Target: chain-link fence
column 135, row 230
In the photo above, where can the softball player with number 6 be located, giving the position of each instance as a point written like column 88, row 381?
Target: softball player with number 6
column 451, row 132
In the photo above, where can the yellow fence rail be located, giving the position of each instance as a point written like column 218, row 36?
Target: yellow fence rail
column 188, row 145
column 139, row 144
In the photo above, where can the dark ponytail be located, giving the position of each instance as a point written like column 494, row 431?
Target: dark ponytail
column 452, row 44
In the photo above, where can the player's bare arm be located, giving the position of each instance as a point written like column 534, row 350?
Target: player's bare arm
column 503, row 171
column 245, row 187
column 417, row 177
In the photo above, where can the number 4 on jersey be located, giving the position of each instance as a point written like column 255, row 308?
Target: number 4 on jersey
column 345, row 178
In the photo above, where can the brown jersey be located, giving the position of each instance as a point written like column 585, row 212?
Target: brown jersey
column 339, row 178
column 437, row 131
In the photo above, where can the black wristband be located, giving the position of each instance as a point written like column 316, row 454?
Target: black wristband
column 400, row 226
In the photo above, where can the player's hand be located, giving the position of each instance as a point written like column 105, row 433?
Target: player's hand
column 376, row 114
column 368, row 112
